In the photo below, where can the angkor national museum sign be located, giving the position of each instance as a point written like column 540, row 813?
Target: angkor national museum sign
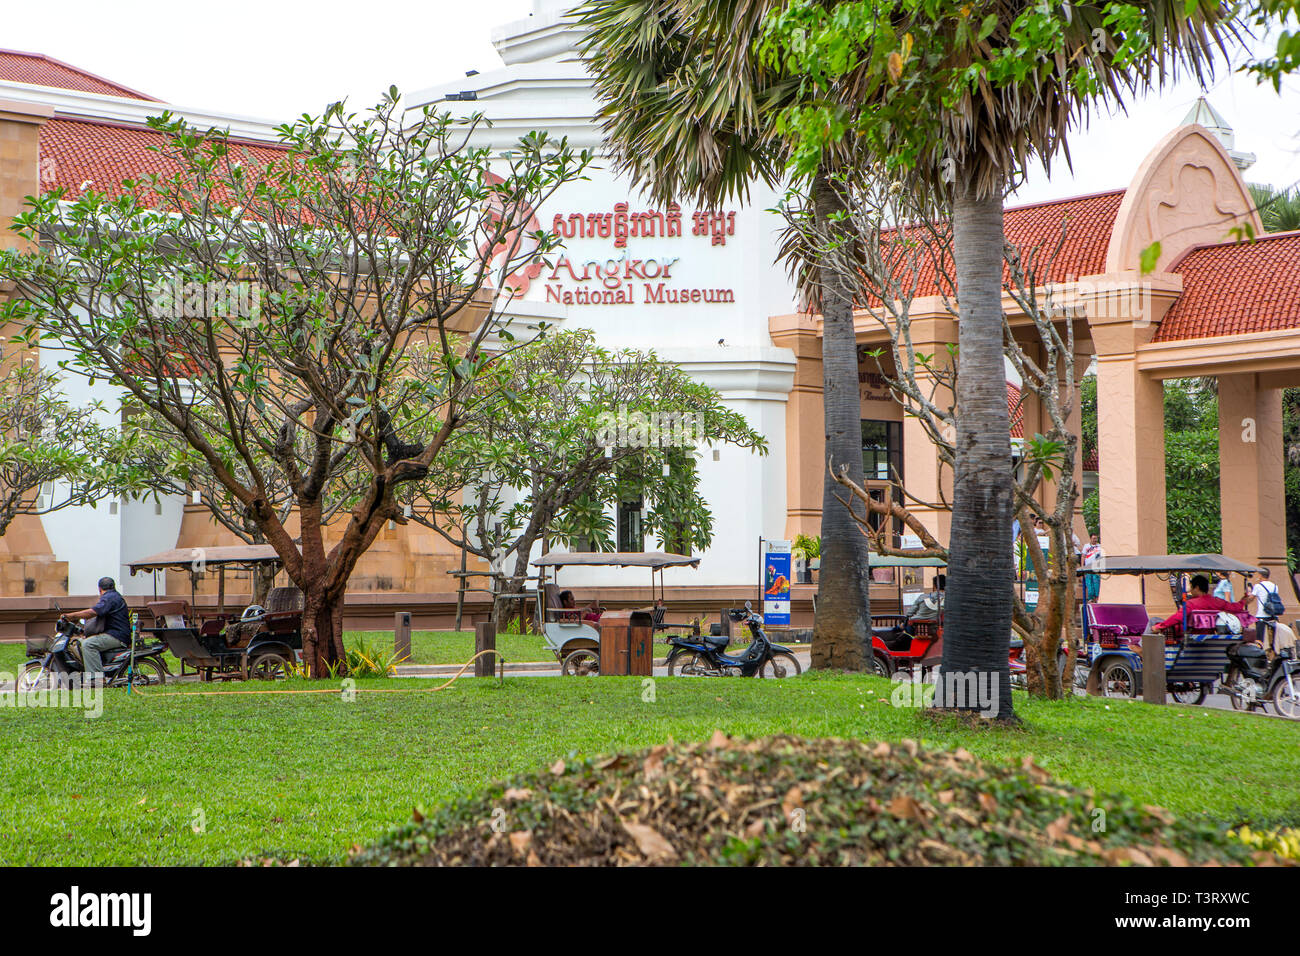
column 631, row 277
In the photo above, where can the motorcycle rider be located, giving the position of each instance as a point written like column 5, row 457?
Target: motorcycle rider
column 111, row 607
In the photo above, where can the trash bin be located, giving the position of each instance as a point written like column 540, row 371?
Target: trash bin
column 626, row 643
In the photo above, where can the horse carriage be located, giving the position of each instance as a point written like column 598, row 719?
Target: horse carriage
column 259, row 641
column 572, row 633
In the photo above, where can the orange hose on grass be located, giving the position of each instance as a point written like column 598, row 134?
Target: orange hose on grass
column 356, row 690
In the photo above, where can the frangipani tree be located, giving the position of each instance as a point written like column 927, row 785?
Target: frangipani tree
column 572, row 430
column 263, row 308
column 960, row 97
column 53, row 453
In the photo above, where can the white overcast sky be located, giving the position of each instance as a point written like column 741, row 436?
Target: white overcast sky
column 275, row 59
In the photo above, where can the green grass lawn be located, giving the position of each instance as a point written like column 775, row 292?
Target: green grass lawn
column 308, row 775
column 456, row 647
column 427, row 647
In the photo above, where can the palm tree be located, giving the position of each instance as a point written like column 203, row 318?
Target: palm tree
column 967, row 94
column 1279, row 209
column 689, row 111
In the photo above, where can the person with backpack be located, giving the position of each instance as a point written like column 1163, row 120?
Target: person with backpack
column 1268, row 603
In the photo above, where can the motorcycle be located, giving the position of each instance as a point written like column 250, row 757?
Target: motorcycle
column 704, row 655
column 62, row 659
column 1252, row 680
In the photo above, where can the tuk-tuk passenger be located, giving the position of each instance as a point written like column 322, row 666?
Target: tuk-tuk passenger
column 1199, row 598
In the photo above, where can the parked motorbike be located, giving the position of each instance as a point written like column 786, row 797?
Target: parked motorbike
column 1252, row 681
column 62, row 658
column 704, row 655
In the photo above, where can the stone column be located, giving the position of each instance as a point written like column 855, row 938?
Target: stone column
column 926, row 478
column 1124, row 310
column 1252, row 493
column 805, row 440
column 27, row 564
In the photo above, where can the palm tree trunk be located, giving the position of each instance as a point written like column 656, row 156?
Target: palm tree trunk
column 977, row 620
column 842, row 631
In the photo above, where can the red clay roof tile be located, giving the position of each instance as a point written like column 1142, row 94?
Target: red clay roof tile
column 41, row 70
column 1087, row 221
column 75, row 151
column 1234, row 288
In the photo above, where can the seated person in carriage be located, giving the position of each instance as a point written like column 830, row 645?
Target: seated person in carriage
column 1199, row 598
column 590, row 614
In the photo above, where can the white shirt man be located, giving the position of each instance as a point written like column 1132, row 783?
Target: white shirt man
column 1260, row 587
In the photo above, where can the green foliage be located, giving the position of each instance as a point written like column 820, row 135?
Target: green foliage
column 1279, row 209
column 1191, row 405
column 264, row 314
column 367, row 659
column 1192, row 492
column 1092, row 511
column 934, row 88
column 806, row 547
column 53, row 454
column 1191, row 464
column 1291, row 444
column 1279, row 18
column 1088, row 416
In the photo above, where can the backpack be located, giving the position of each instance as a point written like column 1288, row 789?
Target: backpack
column 1273, row 606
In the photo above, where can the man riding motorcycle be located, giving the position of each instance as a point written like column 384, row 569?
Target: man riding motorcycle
column 114, row 635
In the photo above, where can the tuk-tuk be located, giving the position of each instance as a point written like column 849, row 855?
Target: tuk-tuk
column 256, row 642
column 914, row 636
column 1112, row 633
column 571, row 632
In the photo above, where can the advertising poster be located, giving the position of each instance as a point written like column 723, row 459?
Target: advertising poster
column 776, row 583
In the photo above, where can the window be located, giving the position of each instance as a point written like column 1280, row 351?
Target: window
column 882, row 460
column 631, row 536
column 882, row 450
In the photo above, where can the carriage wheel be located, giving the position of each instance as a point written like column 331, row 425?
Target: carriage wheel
column 881, row 666
column 268, row 667
column 581, row 663
column 1118, row 679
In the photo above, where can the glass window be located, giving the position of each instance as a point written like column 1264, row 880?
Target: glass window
column 882, row 450
column 631, row 536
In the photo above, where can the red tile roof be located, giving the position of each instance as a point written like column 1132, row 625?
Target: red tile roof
column 75, row 151
column 1234, row 288
column 1087, row 221
column 1016, row 411
column 41, row 70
